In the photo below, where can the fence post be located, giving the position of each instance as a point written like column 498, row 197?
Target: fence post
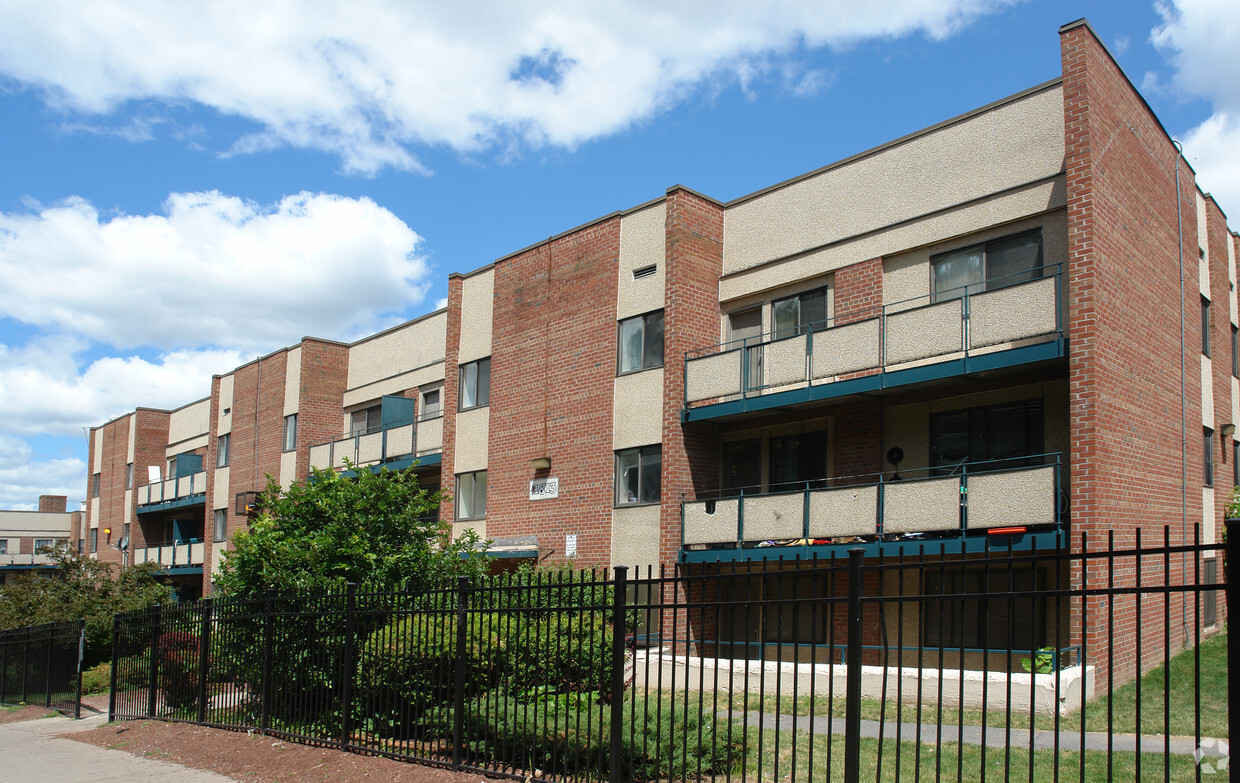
column 112, row 675
column 265, row 685
column 620, row 588
column 4, row 663
column 347, row 666
column 1232, row 552
column 458, row 687
column 204, row 656
column 77, row 705
column 47, row 674
column 852, row 693
column 26, row 667
column 153, row 680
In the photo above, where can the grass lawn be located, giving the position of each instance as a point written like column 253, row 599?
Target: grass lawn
column 1122, row 703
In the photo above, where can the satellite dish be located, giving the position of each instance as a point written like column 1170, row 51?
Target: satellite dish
column 894, row 455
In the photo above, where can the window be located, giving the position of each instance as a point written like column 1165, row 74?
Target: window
column 172, row 467
column 745, row 331
column 798, row 461
column 221, row 451
column 94, row 486
column 1209, row 596
column 1000, row 623
column 1235, row 463
column 290, row 432
column 806, row 312
column 4, row 546
column 475, row 384
column 1207, row 456
column 81, row 546
column 43, row 543
column 1205, row 326
column 129, row 476
column 366, row 421
column 94, row 540
column 1003, row 436
column 772, row 608
column 220, row 523
column 431, row 408
column 987, row 266
column 471, row 495
column 638, row 473
column 640, row 343
column 1235, row 352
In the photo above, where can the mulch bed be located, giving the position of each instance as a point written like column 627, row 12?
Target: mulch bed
column 257, row 758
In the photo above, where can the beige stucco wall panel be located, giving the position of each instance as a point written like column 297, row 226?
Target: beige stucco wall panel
column 477, row 305
column 288, row 469
column 1022, row 497
column 1012, row 313
column 133, row 436
column 1203, row 246
column 704, row 528
column 400, row 441
column 920, row 506
column 479, row 526
column 190, row 422
column 94, row 512
column 223, row 423
column 394, row 385
column 320, row 456
column 220, row 495
column 845, row 349
column 637, row 415
column 472, row 439
column 1208, row 527
column 1005, row 147
column 717, row 375
column 430, row 436
column 400, row 350
column 97, row 457
column 1207, row 392
column 928, row 331
column 774, row 517
column 292, row 381
column 784, row 361
column 635, row 536
column 642, row 239
column 847, row 511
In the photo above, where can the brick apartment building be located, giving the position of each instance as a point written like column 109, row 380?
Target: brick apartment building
column 25, row 534
column 977, row 332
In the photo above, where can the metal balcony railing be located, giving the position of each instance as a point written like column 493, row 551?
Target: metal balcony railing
column 963, row 323
column 970, row 497
column 174, row 554
column 400, row 440
column 171, row 489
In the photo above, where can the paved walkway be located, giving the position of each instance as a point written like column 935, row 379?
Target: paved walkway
column 32, row 753
column 1069, row 741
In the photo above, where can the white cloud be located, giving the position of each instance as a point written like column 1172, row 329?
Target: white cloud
column 368, row 80
column 214, row 270
column 21, row 485
column 1202, row 40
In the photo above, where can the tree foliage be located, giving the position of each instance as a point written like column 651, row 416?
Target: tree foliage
column 372, row 528
column 81, row 588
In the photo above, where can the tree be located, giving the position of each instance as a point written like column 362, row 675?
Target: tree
column 81, row 588
column 371, row 528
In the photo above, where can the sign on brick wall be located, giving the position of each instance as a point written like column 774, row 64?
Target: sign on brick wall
column 544, row 489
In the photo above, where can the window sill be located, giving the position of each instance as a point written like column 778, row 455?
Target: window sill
column 636, row 504
column 470, row 519
column 472, row 408
column 620, row 374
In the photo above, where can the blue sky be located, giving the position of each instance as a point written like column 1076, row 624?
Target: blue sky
column 186, row 186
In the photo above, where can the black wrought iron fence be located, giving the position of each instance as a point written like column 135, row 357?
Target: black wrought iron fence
column 1109, row 661
column 42, row 665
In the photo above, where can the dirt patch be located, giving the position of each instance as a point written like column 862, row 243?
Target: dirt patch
column 28, row 712
column 255, row 758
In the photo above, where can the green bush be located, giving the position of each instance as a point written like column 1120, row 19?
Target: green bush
column 98, row 678
column 178, row 669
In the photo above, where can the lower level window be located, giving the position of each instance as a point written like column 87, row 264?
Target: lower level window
column 220, row 521
column 94, row 540
column 1005, row 622
column 43, row 543
column 471, row 495
column 1209, row 597
column 638, row 475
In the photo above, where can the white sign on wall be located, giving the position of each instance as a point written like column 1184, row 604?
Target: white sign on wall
column 570, row 545
column 544, row 489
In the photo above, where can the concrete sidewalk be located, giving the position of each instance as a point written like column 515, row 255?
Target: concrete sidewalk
column 31, row 752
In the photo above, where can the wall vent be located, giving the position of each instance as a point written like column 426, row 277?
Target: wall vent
column 645, row 271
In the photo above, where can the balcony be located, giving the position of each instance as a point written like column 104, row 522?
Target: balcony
column 171, row 493
column 25, row 560
column 394, row 445
column 893, row 345
column 174, row 556
column 979, row 504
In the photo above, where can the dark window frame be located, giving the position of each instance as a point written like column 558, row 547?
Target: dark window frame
column 373, row 416
column 1235, row 351
column 1207, row 457
column 96, row 480
column 650, row 358
column 290, row 428
column 988, row 281
column 804, row 325
column 1209, row 596
column 985, row 622
column 129, row 475
column 482, row 390
column 219, row 532
column 479, row 513
column 647, row 457
column 981, row 417
column 422, row 402
column 1205, row 326
column 222, row 448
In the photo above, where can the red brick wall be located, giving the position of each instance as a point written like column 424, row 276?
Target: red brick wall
column 858, row 291
column 450, row 383
column 553, row 367
column 53, row 503
column 1123, row 308
column 694, row 247
column 857, row 442
column 324, row 377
